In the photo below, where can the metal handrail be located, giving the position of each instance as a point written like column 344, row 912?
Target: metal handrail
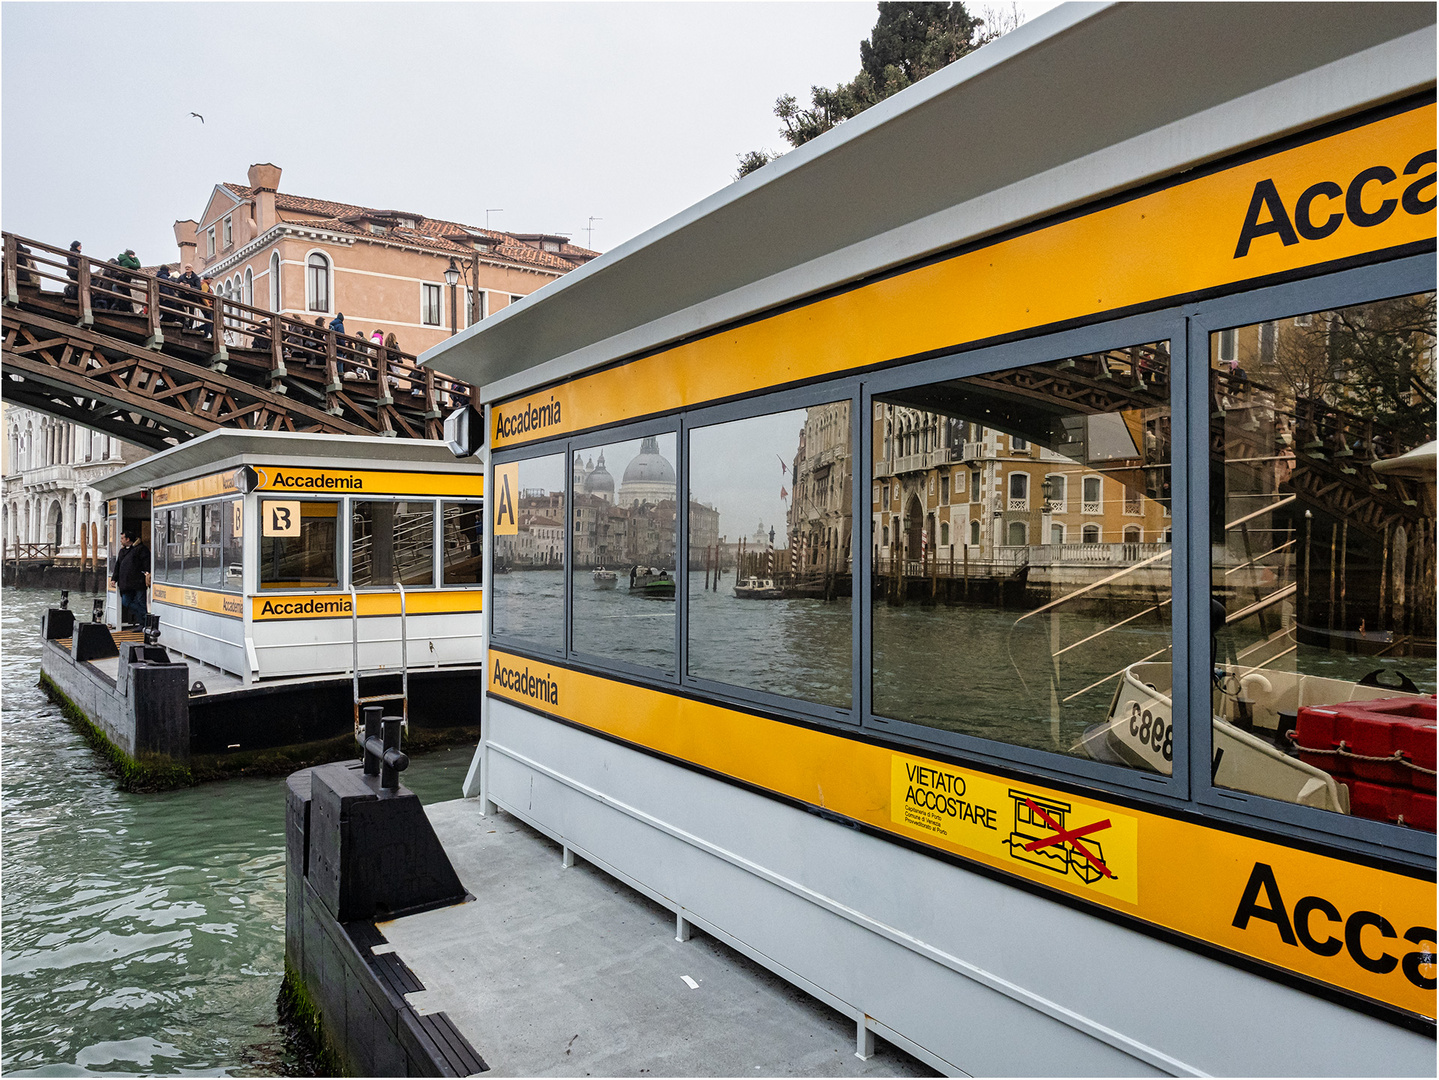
column 355, row 671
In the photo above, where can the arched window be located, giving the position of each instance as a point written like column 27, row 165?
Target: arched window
column 1018, row 534
column 1091, row 534
column 944, row 534
column 275, row 281
column 248, row 296
column 317, row 283
column 974, row 533
column 1133, row 534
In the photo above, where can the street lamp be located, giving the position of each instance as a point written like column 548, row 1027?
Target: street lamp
column 452, row 277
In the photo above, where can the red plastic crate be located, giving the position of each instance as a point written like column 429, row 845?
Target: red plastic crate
column 1376, row 728
column 1385, row 802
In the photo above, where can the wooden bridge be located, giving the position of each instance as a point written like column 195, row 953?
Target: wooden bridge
column 153, row 362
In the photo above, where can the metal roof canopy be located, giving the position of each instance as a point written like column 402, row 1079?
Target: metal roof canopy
column 216, row 450
column 1084, row 101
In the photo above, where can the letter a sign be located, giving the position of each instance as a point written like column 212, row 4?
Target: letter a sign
column 507, row 489
column 280, row 517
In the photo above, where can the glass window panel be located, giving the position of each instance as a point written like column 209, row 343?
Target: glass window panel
column 1018, row 636
column 233, row 532
column 309, row 560
column 211, row 570
column 463, row 547
column 392, row 542
column 529, row 575
column 625, row 533
column 770, row 496
column 159, row 538
column 1322, row 541
column 190, row 543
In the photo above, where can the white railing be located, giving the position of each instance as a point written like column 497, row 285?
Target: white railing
column 1092, row 507
column 49, row 474
column 1018, row 504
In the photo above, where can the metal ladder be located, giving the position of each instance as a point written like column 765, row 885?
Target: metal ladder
column 357, row 673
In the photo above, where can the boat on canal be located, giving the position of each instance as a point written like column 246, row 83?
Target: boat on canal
column 652, row 582
column 1362, row 748
column 757, row 588
column 604, row 579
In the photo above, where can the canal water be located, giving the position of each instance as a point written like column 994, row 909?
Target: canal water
column 142, row 934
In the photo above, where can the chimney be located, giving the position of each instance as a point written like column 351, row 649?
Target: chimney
column 188, row 241
column 265, row 179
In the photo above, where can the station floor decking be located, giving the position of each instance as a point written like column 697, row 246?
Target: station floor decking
column 557, row 971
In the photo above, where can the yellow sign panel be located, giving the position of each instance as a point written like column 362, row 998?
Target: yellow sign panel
column 369, row 482
column 202, row 487
column 1359, row 191
column 237, row 519
column 337, row 605
column 971, row 812
column 216, row 603
column 280, row 517
column 1366, row 930
column 506, row 499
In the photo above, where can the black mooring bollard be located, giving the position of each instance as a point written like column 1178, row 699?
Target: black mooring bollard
column 372, row 715
column 394, row 759
column 64, row 599
column 381, row 744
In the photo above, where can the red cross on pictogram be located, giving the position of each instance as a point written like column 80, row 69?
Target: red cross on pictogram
column 1068, row 836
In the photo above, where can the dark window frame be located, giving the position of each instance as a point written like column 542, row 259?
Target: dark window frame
column 1166, row 324
column 350, row 540
column 1344, row 288
column 341, row 556
column 594, row 441
column 431, row 304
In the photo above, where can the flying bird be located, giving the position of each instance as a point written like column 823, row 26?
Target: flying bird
column 198, row 117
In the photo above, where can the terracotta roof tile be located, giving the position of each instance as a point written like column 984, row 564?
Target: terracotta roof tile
column 432, row 233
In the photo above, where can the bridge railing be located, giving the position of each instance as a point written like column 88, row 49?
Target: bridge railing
column 266, row 346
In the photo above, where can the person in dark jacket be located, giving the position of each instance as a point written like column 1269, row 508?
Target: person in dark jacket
column 132, row 577
column 191, row 280
column 25, row 266
column 168, row 306
column 73, row 273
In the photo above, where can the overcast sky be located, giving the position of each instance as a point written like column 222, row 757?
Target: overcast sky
column 546, row 113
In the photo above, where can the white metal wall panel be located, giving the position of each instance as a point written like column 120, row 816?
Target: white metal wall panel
column 989, row 978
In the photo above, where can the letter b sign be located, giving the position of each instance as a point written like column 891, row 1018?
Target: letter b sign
column 280, row 517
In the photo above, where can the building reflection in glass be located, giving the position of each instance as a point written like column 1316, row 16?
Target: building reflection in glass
column 1020, row 533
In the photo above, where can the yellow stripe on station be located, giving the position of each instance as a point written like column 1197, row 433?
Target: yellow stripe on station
column 1183, row 875
column 202, row 487
column 1172, row 242
column 434, row 485
column 216, row 603
column 337, row 605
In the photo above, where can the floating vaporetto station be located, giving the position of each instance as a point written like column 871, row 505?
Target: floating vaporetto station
column 1074, row 400
column 294, row 577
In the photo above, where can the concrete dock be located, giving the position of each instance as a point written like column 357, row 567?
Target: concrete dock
column 565, row 971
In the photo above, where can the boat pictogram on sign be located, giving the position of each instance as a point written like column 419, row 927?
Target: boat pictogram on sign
column 1041, row 837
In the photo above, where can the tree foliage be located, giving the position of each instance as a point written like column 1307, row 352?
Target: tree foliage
column 909, row 41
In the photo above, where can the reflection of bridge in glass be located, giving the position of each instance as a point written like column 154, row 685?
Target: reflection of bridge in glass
column 150, row 361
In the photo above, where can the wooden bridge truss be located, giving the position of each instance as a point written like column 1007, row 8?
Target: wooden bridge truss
column 155, row 363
